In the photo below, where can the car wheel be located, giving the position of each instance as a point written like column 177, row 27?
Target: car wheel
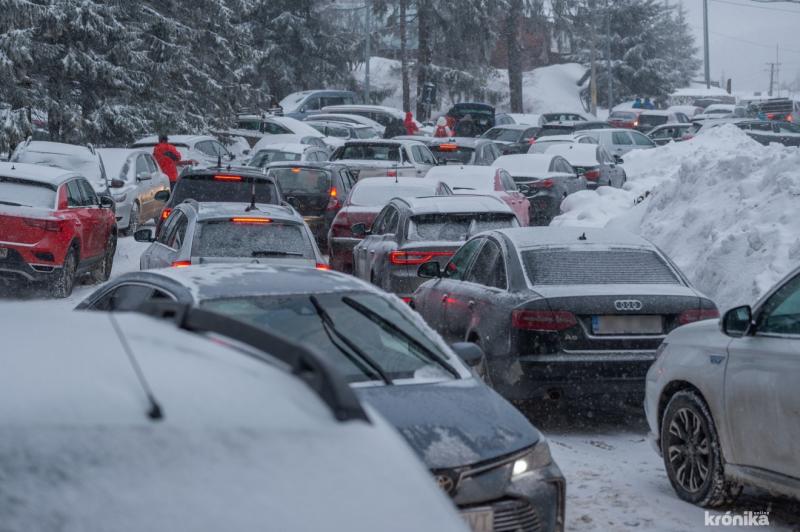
column 103, row 270
column 63, row 284
column 691, row 451
column 133, row 219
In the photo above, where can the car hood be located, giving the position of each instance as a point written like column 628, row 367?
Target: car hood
column 454, row 423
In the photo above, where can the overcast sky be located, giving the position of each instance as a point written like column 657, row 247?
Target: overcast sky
column 743, row 35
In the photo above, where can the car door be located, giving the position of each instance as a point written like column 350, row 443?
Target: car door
column 612, row 171
column 641, row 141
column 762, row 398
column 382, row 245
column 76, row 203
column 364, row 251
column 455, row 292
column 97, row 230
column 165, row 249
column 621, row 143
column 519, row 203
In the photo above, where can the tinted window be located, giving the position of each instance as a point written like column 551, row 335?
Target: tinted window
column 89, row 196
column 503, row 134
column 452, row 153
column 370, row 152
column 74, row 194
column 781, row 312
column 454, row 227
column 620, row 137
column 302, row 180
column 207, row 188
column 174, row 237
column 229, row 239
column 389, row 223
column 489, row 267
column 458, row 265
column 129, row 297
column 651, row 120
column 507, row 182
column 615, row 266
column 622, row 115
column 640, row 139
column 26, row 193
column 272, row 128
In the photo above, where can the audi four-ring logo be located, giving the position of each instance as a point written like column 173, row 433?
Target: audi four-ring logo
column 628, row 304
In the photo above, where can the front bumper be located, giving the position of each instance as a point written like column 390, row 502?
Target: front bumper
column 340, row 250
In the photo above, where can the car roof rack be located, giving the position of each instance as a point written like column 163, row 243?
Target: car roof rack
column 306, row 362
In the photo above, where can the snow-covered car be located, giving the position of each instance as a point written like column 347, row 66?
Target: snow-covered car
column 545, row 178
column 650, row 118
column 672, row 133
column 689, row 110
column 620, row 141
column 123, row 422
column 83, row 160
column 563, row 117
column 625, row 118
column 342, row 130
column 135, row 180
column 379, row 113
column 266, row 141
column 562, row 312
column 349, row 119
column 282, row 152
column 526, row 119
column 479, row 449
column 394, row 158
column 206, row 151
column 716, row 110
column 723, row 402
column 302, row 104
column 512, row 138
column 542, row 144
column 463, row 150
column 593, row 162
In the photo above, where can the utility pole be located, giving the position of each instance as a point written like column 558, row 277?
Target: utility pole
column 593, row 81
column 705, row 45
column 367, row 51
column 609, row 77
column 773, row 74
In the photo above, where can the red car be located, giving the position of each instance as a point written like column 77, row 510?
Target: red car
column 362, row 205
column 484, row 180
column 628, row 119
column 53, row 228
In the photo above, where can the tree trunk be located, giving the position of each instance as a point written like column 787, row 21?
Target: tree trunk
column 423, row 52
column 404, row 58
column 513, row 36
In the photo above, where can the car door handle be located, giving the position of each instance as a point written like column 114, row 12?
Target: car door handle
column 471, row 304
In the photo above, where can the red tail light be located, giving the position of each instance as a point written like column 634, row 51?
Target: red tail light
column 448, row 147
column 227, row 178
column 165, row 213
column 333, row 202
column 181, row 263
column 47, row 225
column 592, row 175
column 324, row 267
column 391, row 173
column 770, row 116
column 543, row 320
column 416, row 257
column 692, row 315
column 544, row 183
column 407, row 300
column 250, row 220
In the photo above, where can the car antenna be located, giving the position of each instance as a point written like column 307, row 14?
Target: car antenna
column 582, row 237
column 252, row 206
column 155, row 413
column 219, row 161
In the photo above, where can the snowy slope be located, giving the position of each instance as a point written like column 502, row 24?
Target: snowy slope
column 722, row 206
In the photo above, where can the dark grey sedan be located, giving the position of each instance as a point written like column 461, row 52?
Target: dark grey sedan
column 411, row 231
column 560, row 311
column 487, row 456
column 593, row 162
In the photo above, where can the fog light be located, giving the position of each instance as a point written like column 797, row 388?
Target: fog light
column 44, row 255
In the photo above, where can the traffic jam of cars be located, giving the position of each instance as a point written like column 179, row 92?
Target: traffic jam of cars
column 382, row 314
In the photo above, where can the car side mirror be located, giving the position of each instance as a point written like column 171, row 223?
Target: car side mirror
column 162, row 195
column 143, row 176
column 106, row 202
column 470, row 353
column 737, row 321
column 117, row 183
column 359, row 230
column 618, row 159
column 429, row 270
column 144, row 235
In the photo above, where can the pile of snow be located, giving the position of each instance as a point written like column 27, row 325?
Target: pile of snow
column 722, row 206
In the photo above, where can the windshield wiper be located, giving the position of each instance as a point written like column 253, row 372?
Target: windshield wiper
column 331, row 330
column 275, row 253
column 383, row 322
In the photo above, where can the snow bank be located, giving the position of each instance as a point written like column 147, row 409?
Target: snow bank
column 722, row 206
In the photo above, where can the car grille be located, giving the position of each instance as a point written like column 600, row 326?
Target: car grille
column 515, row 516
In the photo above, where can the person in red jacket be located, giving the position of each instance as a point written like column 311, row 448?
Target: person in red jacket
column 411, row 126
column 168, row 158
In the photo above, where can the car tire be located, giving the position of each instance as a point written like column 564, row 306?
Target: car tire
column 689, row 440
column 62, row 286
column 102, row 272
column 133, row 219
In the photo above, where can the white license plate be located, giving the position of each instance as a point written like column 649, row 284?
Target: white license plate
column 3, row 253
column 479, row 519
column 627, row 325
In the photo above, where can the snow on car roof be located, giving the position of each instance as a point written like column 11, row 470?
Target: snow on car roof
column 283, row 138
column 213, row 210
column 61, row 148
column 35, row 172
column 532, row 237
column 356, row 107
column 525, row 164
column 576, row 153
column 456, row 204
column 289, row 147
column 464, row 176
column 296, row 126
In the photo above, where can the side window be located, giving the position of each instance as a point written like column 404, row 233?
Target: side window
column 387, row 221
column 151, row 163
column 489, row 268
column 180, row 232
column 781, row 312
column 129, row 297
column 141, row 165
column 642, row 140
column 529, row 134
column 313, row 104
column 417, row 154
column 89, row 196
column 508, row 182
column 167, row 236
column 218, row 148
column 205, row 148
column 272, row 128
column 74, row 194
column 392, row 222
column 495, row 151
column 621, row 138
column 458, row 265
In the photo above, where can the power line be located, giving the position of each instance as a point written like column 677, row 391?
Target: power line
column 729, row 2
column 739, row 39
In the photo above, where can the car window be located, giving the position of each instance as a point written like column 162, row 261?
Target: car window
column 89, row 196
column 495, row 152
column 129, row 297
column 529, row 134
column 74, row 194
column 489, row 268
column 141, row 165
column 455, row 226
column 205, row 148
column 781, row 312
column 218, row 148
column 313, row 104
column 507, row 182
column 640, row 140
column 151, row 163
column 423, row 155
column 179, row 233
column 663, row 133
column 621, row 138
column 387, row 221
column 458, row 265
column 233, row 238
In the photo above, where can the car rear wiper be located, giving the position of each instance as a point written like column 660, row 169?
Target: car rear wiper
column 383, row 322
column 275, row 253
column 331, row 331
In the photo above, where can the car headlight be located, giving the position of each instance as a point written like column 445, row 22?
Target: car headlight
column 537, row 458
column 119, row 198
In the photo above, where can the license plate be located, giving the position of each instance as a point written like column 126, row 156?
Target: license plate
column 610, row 325
column 3, row 253
column 480, row 519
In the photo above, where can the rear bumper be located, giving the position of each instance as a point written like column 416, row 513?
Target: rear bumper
column 319, row 226
column 341, row 252
column 15, row 268
column 571, row 374
column 544, row 207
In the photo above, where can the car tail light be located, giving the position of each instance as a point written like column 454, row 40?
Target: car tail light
column 165, row 213
column 391, row 173
column 227, row 177
column 295, row 170
column 407, row 300
column 181, row 263
column 770, row 116
column 543, row 320
column 250, row 220
column 416, row 257
column 592, row 175
column 692, row 315
column 448, row 147
column 322, row 266
column 47, row 225
column 544, row 183
column 789, row 118
column 333, row 201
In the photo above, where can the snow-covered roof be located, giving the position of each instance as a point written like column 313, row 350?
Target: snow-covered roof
column 296, row 126
column 576, row 153
column 114, row 158
column 289, row 147
column 268, row 140
column 531, row 237
column 357, row 107
column 35, row 172
column 213, row 210
column 464, row 176
column 173, row 139
column 526, row 164
column 456, row 204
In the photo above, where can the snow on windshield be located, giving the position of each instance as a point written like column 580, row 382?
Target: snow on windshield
column 455, row 227
column 257, row 240
column 87, row 167
column 373, row 195
column 26, row 193
column 302, row 180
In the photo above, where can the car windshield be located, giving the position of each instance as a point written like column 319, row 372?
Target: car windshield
column 652, row 120
column 224, row 188
column 371, row 152
column 450, row 153
column 504, row 135
column 380, row 195
column 264, row 157
column 295, row 316
column 541, row 146
column 564, row 266
column 456, row 227
column 302, row 180
column 230, row 238
column 365, row 133
column 26, row 193
column 85, row 165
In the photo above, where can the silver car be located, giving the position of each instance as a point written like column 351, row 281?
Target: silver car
column 723, row 402
column 137, row 178
column 620, row 141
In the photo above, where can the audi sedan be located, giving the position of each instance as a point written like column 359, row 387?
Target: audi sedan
column 561, row 312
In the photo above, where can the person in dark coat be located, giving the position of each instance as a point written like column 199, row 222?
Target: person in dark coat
column 394, row 129
column 466, row 127
column 648, row 104
column 637, row 104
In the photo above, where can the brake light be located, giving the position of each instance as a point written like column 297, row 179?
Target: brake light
column 544, row 183
column 165, row 213
column 333, row 201
column 391, row 173
column 790, row 118
column 227, row 178
column 770, row 116
column 692, row 315
column 407, row 300
column 411, row 258
column 250, row 220
column 181, row 263
column 448, row 147
column 543, row 320
column 295, row 170
column 322, row 266
column 47, row 225
column 592, row 175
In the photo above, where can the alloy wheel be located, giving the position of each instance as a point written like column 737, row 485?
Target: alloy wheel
column 688, row 450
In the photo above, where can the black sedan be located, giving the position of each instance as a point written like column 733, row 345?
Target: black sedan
column 561, row 312
column 513, row 138
column 493, row 463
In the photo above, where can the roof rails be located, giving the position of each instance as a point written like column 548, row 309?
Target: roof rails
column 306, row 362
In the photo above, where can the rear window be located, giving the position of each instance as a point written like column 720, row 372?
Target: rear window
column 207, row 188
column 504, row 135
column 547, row 131
column 256, row 240
column 622, row 115
column 453, row 154
column 543, row 146
column 302, row 180
column 456, row 227
column 26, row 193
column 264, row 157
column 370, row 152
column 612, row 266
column 365, row 133
column 369, row 196
column 652, row 120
